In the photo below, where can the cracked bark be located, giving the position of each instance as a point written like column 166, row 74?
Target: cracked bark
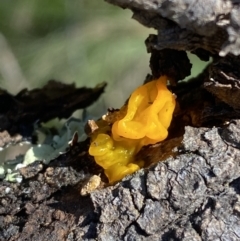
column 193, row 193
column 194, row 196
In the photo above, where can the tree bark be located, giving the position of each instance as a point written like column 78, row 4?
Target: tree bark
column 191, row 185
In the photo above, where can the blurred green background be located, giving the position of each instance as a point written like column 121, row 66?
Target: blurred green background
column 77, row 41
column 73, row 41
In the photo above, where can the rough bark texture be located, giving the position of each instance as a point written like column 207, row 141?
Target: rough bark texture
column 194, row 192
column 189, row 24
column 194, row 196
column 19, row 113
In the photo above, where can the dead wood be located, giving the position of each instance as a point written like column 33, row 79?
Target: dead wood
column 19, row 113
column 193, row 193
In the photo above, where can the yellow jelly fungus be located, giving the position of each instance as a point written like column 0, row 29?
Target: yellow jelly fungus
column 145, row 121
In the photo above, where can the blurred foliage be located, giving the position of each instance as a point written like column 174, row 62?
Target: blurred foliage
column 74, row 41
column 80, row 41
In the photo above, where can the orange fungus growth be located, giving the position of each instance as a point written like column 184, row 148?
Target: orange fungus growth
column 145, row 121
